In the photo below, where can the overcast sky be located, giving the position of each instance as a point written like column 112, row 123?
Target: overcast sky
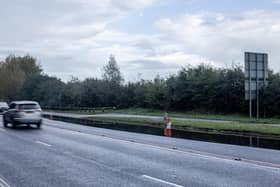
column 147, row 37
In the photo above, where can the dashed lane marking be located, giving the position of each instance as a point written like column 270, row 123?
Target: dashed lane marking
column 3, row 183
column 43, row 143
column 160, row 181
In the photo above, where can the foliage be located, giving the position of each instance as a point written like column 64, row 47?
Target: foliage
column 200, row 89
column 14, row 71
column 272, row 95
column 47, row 90
column 112, row 72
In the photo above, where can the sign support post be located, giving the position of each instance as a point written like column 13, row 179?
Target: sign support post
column 256, row 74
column 257, row 86
column 250, row 92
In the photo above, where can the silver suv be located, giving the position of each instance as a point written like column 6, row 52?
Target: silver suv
column 23, row 112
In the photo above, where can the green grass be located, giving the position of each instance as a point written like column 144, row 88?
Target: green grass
column 229, row 117
column 139, row 111
column 242, row 126
column 219, row 127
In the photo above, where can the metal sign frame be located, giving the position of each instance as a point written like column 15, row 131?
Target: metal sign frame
column 256, row 74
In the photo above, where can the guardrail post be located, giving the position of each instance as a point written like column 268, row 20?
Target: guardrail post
column 251, row 142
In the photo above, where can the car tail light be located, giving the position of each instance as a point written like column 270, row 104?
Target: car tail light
column 18, row 110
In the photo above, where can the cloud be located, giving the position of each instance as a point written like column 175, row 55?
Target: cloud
column 135, row 4
column 76, row 37
column 67, row 36
column 222, row 38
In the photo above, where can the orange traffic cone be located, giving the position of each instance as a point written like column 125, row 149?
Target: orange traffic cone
column 168, row 128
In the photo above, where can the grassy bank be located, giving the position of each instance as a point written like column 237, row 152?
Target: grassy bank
column 139, row 111
column 228, row 117
column 205, row 126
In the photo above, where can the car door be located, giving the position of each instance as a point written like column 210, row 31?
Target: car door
column 11, row 112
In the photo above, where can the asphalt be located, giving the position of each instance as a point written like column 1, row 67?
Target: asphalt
column 155, row 118
column 65, row 154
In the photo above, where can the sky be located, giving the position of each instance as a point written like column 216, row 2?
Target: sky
column 74, row 38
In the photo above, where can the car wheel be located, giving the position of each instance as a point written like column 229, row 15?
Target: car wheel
column 14, row 125
column 5, row 124
column 39, row 125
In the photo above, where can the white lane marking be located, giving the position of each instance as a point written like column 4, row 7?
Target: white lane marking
column 161, row 181
column 3, row 183
column 43, row 143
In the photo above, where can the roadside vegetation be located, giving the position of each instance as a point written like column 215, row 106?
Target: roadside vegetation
column 196, row 115
column 199, row 125
column 202, row 91
column 242, row 118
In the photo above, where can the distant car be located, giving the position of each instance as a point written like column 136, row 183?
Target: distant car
column 23, row 112
column 3, row 107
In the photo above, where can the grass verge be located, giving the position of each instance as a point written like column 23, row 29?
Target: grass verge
column 140, row 111
column 227, row 117
column 204, row 126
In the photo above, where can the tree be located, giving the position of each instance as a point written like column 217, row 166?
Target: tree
column 112, row 72
column 72, row 94
column 14, row 71
column 272, row 95
column 11, row 80
column 27, row 64
column 203, row 88
column 44, row 89
column 155, row 95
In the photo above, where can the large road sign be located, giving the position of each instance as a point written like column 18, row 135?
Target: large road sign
column 256, row 74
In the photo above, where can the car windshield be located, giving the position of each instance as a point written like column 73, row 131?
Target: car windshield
column 28, row 106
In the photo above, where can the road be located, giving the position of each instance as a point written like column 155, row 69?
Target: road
column 65, row 154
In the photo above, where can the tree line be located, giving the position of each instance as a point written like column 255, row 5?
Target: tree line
column 202, row 89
